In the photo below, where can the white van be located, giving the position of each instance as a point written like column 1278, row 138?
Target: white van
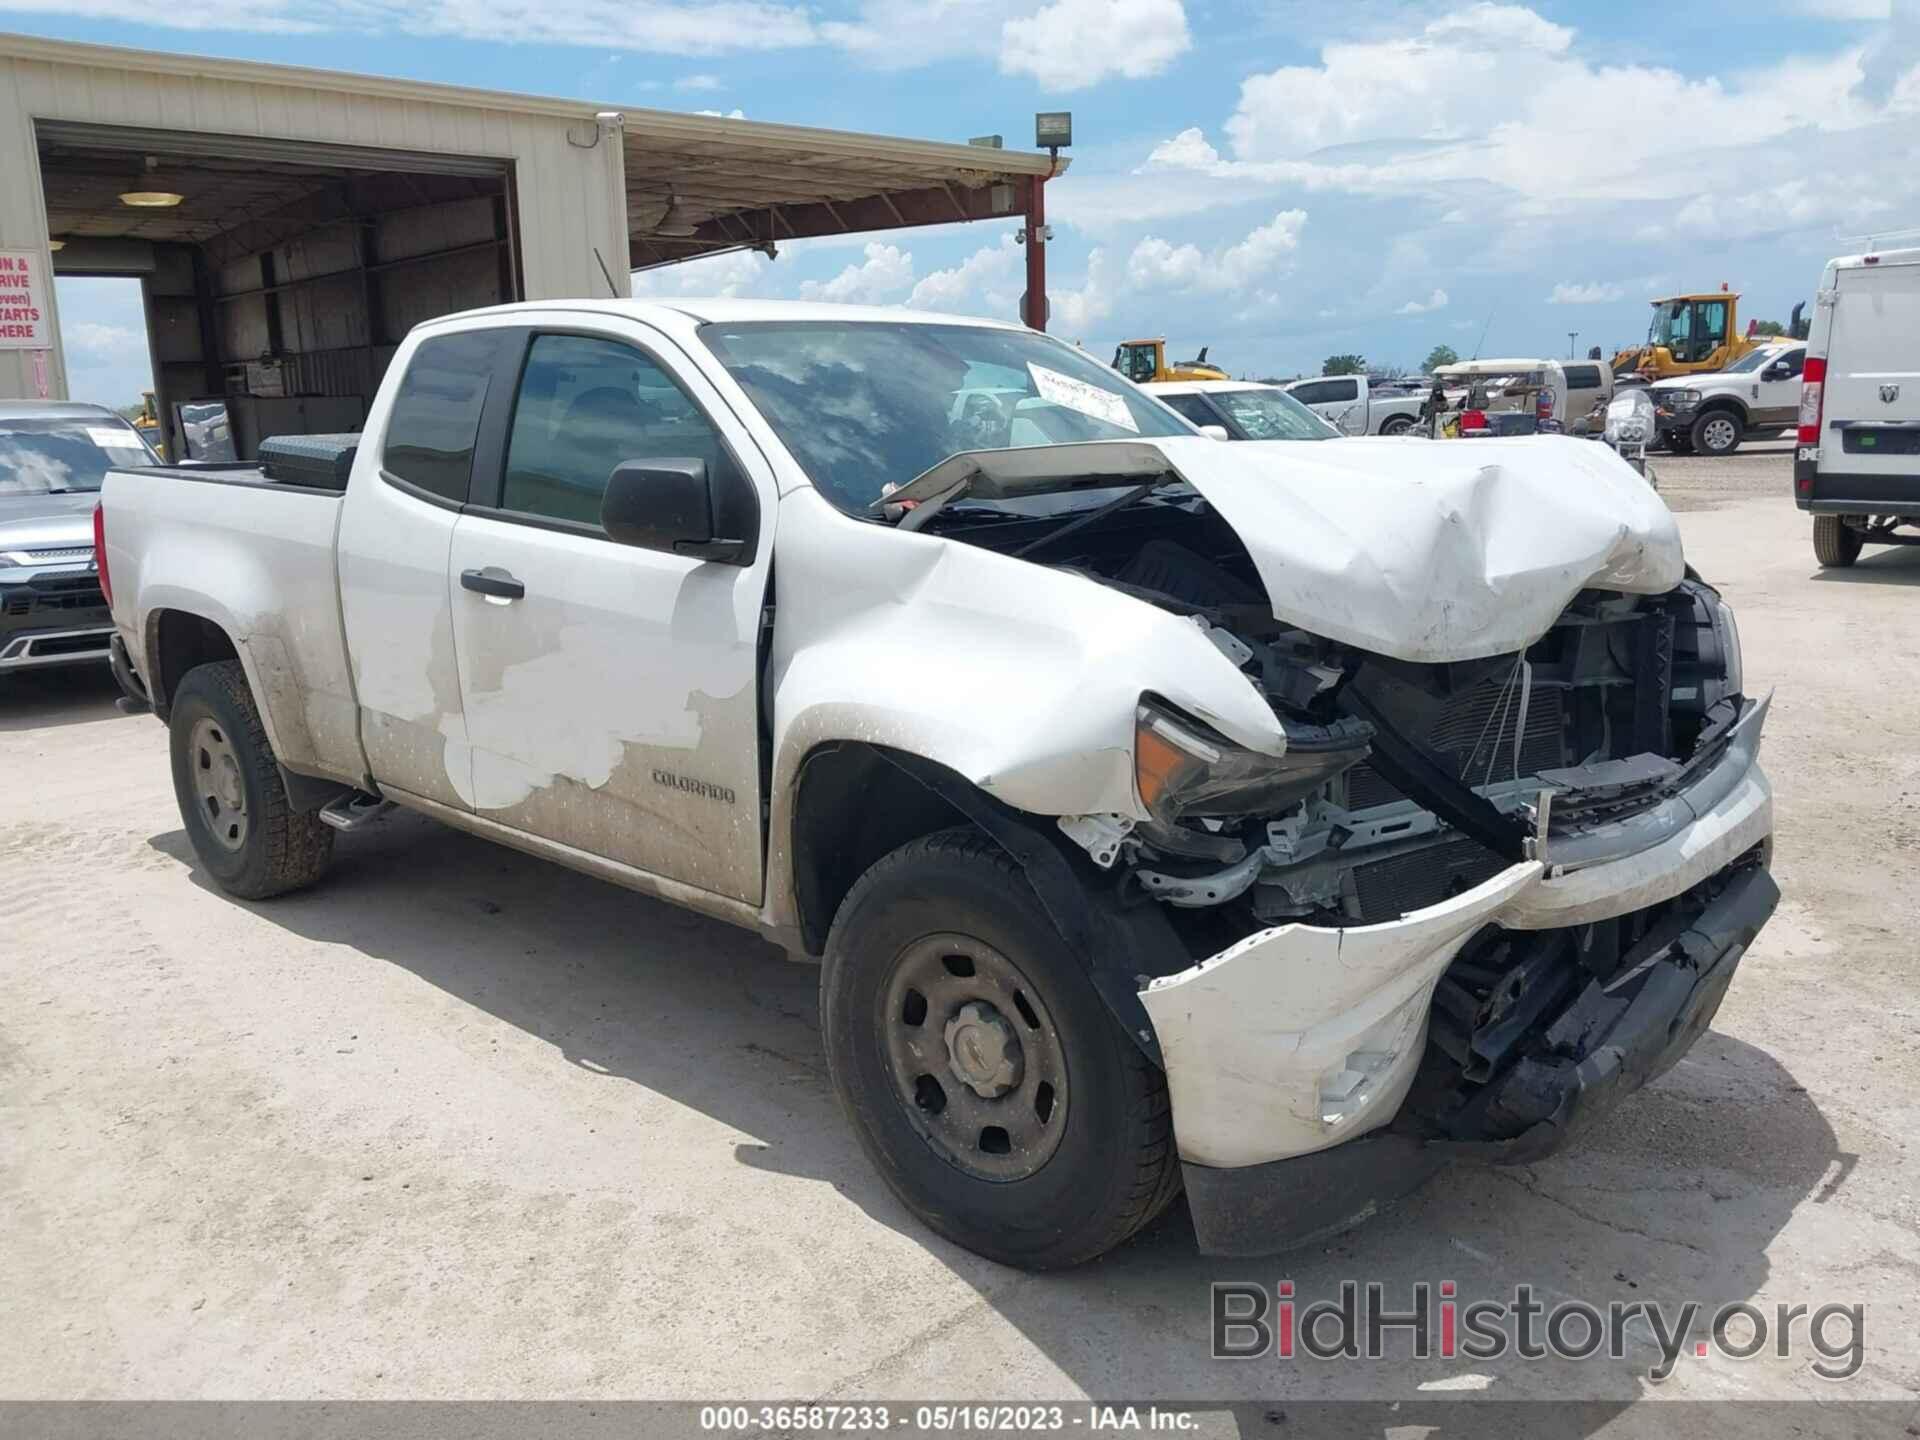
column 1856, row 465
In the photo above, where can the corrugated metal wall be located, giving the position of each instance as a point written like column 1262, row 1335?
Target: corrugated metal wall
column 570, row 199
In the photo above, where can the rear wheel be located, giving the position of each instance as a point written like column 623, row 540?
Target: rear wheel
column 245, row 834
column 1718, row 432
column 1397, row 425
column 1836, row 544
column 985, row 1078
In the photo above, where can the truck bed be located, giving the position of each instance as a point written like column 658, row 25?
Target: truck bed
column 256, row 556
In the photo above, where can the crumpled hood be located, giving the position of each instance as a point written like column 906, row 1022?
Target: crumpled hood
column 1434, row 550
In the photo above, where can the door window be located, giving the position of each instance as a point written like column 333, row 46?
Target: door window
column 1193, row 407
column 587, row 406
column 436, row 413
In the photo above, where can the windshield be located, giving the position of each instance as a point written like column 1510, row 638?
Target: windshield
column 1272, row 415
column 52, row 457
column 1670, row 323
column 865, row 405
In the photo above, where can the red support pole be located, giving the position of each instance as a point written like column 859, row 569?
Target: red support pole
column 1036, row 316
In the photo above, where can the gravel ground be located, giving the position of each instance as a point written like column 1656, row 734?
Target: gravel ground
column 459, row 1124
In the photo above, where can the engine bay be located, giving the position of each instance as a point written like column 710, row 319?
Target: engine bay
column 1403, row 784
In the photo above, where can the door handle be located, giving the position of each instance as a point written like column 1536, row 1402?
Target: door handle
column 494, row 583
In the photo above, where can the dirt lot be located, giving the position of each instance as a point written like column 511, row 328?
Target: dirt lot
column 459, row 1124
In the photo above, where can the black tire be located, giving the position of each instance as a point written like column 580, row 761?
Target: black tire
column 1836, row 544
column 1717, row 433
column 261, row 846
column 1397, row 425
column 1111, row 1167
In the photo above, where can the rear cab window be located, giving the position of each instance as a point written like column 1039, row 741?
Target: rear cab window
column 435, row 422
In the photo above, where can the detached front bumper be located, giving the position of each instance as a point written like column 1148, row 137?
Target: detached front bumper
column 1288, row 1053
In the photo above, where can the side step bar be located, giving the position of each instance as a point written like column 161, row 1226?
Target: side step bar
column 353, row 810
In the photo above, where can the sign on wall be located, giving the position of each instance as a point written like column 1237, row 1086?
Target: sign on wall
column 25, row 321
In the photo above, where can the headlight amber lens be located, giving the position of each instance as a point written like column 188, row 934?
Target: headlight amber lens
column 1180, row 769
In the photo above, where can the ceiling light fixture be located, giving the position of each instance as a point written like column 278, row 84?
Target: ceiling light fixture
column 151, row 199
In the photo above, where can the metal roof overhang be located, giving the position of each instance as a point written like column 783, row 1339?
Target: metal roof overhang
column 742, row 184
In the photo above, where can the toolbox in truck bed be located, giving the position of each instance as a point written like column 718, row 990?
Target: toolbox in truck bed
column 321, row 461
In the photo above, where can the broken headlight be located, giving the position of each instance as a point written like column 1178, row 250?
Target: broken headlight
column 1182, row 768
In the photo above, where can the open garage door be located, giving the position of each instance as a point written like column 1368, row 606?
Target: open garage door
column 279, row 275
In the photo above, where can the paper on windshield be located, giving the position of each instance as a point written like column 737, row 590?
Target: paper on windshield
column 1077, row 395
column 109, row 437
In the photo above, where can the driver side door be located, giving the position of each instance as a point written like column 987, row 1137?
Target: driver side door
column 612, row 691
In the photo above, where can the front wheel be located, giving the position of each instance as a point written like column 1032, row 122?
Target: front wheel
column 985, row 1078
column 1716, row 433
column 244, row 832
column 1836, row 544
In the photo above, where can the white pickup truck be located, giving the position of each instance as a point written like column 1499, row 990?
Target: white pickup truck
column 1284, row 821
column 1359, row 405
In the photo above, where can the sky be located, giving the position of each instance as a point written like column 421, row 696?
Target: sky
column 1277, row 181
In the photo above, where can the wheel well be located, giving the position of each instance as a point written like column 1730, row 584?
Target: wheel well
column 853, row 806
column 177, row 641
column 1723, row 402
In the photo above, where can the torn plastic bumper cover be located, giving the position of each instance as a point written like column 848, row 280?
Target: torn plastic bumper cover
column 1300, row 1061
column 1634, row 1030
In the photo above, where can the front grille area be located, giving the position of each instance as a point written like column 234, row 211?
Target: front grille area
column 1387, row 889
column 54, row 598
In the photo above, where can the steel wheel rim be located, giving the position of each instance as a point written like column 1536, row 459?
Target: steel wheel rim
column 951, row 1004
column 217, row 783
column 1718, row 434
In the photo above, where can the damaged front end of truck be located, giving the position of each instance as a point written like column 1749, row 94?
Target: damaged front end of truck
column 1508, row 857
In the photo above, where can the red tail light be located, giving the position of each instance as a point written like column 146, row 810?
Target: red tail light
column 1813, row 399
column 100, row 551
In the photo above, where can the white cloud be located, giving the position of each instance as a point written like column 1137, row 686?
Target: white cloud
column 987, row 282
column 734, row 114
column 88, row 342
column 1064, row 44
column 1436, row 301
column 1076, row 311
column 698, row 82
column 1071, row 44
column 1593, row 294
column 885, row 272
column 736, row 273
column 1497, row 97
column 1247, row 265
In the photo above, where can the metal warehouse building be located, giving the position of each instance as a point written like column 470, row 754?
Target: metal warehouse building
column 289, row 226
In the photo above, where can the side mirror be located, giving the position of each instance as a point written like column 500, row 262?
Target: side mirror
column 1776, row 371
column 669, row 505
column 1216, row 432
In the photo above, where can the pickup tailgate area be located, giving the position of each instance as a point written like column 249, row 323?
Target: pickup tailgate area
column 257, row 559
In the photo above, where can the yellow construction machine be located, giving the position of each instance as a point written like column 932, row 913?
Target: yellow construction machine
column 1144, row 360
column 1690, row 334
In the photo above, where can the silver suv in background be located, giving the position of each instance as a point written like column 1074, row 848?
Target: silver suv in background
column 53, row 456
